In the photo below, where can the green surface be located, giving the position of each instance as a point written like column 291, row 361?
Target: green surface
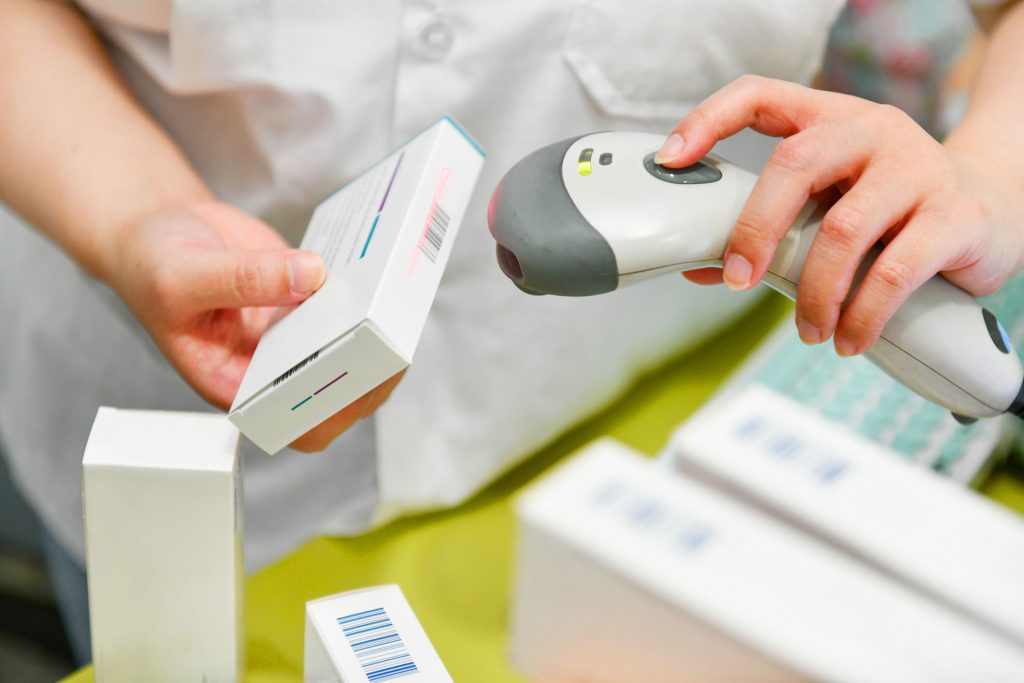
column 455, row 566
column 1006, row 485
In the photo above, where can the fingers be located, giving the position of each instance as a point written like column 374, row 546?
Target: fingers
column 801, row 165
column 704, row 276
column 236, row 279
column 918, row 252
column 901, row 187
column 321, row 436
column 850, row 228
column 816, row 155
column 769, row 106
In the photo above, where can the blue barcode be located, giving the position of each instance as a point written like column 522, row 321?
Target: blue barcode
column 643, row 512
column 377, row 645
column 780, row 442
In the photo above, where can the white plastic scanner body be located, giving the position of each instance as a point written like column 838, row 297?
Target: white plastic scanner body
column 163, row 547
column 628, row 573
column 368, row 635
column 940, row 342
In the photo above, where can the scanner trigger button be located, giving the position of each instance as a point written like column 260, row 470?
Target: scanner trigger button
column 699, row 173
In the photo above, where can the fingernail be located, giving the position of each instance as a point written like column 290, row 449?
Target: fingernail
column 305, row 272
column 844, row 347
column 809, row 333
column 737, row 272
column 672, row 148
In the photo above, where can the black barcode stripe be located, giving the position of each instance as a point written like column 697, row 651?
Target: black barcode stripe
column 296, row 368
column 377, row 645
column 437, row 226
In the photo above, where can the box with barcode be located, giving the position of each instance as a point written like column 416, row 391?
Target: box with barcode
column 628, row 573
column 163, row 546
column 385, row 238
column 368, row 635
column 784, row 458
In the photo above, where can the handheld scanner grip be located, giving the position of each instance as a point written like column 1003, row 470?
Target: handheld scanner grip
column 572, row 231
column 941, row 343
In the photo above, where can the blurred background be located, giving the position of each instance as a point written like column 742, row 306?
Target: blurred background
column 916, row 54
column 32, row 643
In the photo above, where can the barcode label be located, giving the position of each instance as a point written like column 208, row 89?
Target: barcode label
column 437, row 226
column 643, row 512
column 296, row 368
column 785, row 442
column 377, row 645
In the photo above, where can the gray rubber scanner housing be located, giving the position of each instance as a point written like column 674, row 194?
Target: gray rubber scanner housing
column 545, row 246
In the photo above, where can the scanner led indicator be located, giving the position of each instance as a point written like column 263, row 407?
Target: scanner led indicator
column 584, row 164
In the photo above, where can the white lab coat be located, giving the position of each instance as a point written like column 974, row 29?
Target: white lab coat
column 278, row 102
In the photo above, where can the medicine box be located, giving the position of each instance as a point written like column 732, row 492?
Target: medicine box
column 948, row 541
column 628, row 573
column 368, row 635
column 385, row 238
column 163, row 547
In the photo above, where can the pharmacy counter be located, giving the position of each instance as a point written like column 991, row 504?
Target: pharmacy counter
column 455, row 566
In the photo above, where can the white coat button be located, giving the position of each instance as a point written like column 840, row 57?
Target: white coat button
column 435, row 40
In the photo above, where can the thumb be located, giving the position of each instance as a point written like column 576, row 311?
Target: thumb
column 266, row 277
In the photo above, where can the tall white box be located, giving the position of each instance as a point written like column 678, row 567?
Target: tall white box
column 628, row 573
column 164, row 547
column 385, row 238
column 949, row 542
column 368, row 635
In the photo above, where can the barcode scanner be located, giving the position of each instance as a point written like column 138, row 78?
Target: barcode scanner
column 590, row 214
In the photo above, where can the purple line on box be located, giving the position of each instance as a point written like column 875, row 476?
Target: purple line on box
column 330, row 383
column 391, row 182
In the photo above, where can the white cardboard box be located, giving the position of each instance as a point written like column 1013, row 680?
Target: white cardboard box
column 626, row 573
column 385, row 238
column 369, row 635
column 163, row 547
column 950, row 542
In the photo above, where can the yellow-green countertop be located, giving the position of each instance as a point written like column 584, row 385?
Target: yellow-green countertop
column 455, row 566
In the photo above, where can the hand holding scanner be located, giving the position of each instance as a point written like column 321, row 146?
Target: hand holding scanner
column 587, row 215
